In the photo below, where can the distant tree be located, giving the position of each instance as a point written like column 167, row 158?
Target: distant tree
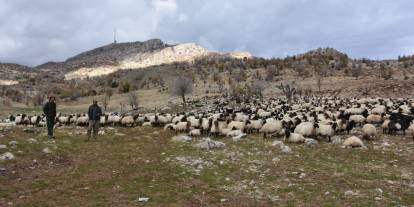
column 181, row 87
column 107, row 97
column 257, row 88
column 39, row 98
column 385, row 71
column 271, row 72
column 343, row 61
column 288, row 90
column 319, row 82
column 356, row 70
column 133, row 100
column 124, row 87
column 122, row 106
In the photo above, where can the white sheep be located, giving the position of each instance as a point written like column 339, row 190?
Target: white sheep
column 237, row 125
column 254, row 125
column 369, row 131
column 234, row 133
column 128, row 121
column 21, row 119
column 271, row 127
column 359, row 119
column 380, row 109
column 325, row 130
column 294, row 137
column 195, row 133
column 305, row 129
column 182, row 126
column 218, row 127
column 352, row 142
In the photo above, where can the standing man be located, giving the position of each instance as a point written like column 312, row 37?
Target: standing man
column 49, row 109
column 94, row 114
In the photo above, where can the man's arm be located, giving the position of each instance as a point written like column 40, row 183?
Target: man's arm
column 99, row 111
column 45, row 109
column 90, row 112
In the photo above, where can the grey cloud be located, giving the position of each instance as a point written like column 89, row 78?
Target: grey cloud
column 33, row 32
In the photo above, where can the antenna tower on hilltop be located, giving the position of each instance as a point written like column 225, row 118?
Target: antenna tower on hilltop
column 114, row 36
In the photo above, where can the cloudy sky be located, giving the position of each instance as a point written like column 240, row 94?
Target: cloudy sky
column 36, row 31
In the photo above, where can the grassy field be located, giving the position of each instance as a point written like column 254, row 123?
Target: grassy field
column 126, row 164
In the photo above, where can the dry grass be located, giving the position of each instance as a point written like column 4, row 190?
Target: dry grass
column 117, row 169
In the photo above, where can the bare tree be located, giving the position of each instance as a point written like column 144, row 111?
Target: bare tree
column 181, row 87
column 107, row 98
column 319, row 82
column 288, row 90
column 385, row 71
column 133, row 99
column 123, row 106
column 39, row 98
column 271, row 72
column 356, row 70
column 258, row 87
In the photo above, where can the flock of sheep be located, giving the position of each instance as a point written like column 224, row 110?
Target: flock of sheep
column 318, row 118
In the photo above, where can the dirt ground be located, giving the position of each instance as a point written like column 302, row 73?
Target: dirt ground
column 126, row 164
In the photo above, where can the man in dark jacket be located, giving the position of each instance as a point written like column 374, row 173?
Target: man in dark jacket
column 49, row 109
column 94, row 114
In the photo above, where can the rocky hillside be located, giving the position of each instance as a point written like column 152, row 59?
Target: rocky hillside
column 11, row 74
column 114, row 57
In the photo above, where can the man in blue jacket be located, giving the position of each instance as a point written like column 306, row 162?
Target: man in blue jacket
column 94, row 114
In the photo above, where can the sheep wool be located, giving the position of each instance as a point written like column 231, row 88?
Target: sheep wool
column 352, row 142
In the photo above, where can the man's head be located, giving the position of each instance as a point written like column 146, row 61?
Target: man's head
column 52, row 98
column 95, row 102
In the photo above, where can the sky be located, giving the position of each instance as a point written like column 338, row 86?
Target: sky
column 36, row 31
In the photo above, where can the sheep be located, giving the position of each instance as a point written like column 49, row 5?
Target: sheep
column 384, row 126
column 195, row 132
column 169, row 126
column 237, row 125
column 253, row 125
column 21, row 119
column 374, row 119
column 240, row 117
column 34, row 120
column 104, row 120
column 354, row 111
column 271, row 128
column 182, row 126
column 294, row 137
column 217, row 127
column 114, row 119
column 352, row 142
column 234, row 133
column 66, row 120
column 147, row 123
column 358, row 119
column 128, row 121
column 325, row 130
column 263, row 114
column 82, row 120
column 379, row 110
column 369, row 131
column 305, row 128
column 205, row 124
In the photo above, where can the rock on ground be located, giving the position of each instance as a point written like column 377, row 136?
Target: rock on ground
column 181, row 138
column 309, row 141
column 7, row 156
column 207, row 143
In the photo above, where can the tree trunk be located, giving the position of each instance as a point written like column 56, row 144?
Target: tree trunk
column 183, row 97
